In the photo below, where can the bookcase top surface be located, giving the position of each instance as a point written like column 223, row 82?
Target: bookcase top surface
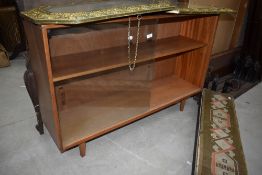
column 84, row 11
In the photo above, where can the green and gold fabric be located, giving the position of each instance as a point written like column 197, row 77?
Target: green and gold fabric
column 84, row 11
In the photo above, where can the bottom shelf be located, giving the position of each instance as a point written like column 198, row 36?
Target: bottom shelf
column 85, row 122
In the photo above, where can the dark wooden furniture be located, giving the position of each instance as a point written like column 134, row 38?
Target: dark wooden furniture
column 82, row 80
column 253, row 35
column 11, row 33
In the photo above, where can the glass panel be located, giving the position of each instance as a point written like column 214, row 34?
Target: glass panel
column 93, row 105
column 96, row 87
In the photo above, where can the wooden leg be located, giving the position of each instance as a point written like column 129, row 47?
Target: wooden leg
column 182, row 105
column 82, row 149
column 31, row 86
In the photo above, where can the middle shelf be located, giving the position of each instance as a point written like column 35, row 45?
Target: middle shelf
column 80, row 64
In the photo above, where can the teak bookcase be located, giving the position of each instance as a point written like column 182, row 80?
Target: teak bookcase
column 83, row 83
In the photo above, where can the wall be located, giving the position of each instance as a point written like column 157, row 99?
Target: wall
column 225, row 25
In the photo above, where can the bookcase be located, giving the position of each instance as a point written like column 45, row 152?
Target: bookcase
column 84, row 83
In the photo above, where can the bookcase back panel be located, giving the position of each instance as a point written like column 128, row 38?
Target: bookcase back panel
column 201, row 29
column 168, row 29
column 96, row 36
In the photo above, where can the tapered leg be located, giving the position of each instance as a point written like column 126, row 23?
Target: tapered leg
column 182, row 105
column 30, row 83
column 82, row 149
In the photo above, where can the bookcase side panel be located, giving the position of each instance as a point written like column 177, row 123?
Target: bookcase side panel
column 194, row 64
column 37, row 47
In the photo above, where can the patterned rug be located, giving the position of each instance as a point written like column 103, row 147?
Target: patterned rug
column 218, row 150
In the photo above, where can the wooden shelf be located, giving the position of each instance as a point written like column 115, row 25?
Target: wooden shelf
column 85, row 122
column 112, row 58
